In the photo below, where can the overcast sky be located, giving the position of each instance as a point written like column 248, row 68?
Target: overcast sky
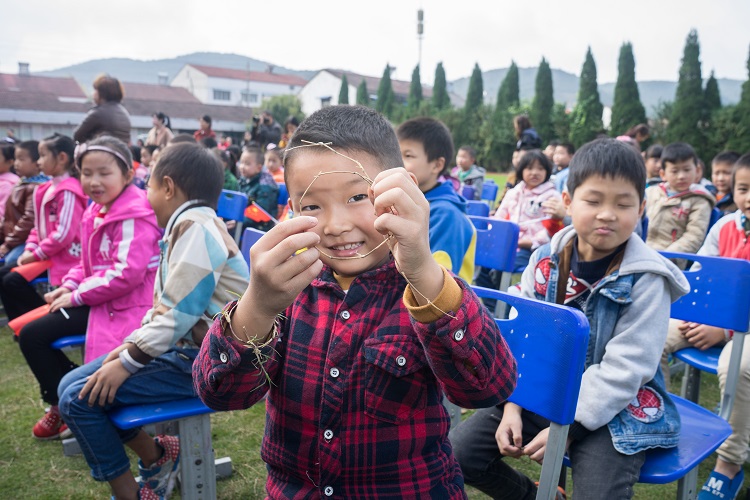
column 364, row 36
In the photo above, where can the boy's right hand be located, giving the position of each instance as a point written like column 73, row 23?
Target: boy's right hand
column 508, row 435
column 278, row 274
column 701, row 336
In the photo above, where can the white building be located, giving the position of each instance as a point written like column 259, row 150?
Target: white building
column 323, row 90
column 233, row 87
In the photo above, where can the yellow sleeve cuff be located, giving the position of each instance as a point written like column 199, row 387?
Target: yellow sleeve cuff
column 449, row 299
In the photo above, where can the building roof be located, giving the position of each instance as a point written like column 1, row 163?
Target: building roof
column 63, row 87
column 253, row 76
column 164, row 93
column 400, row 87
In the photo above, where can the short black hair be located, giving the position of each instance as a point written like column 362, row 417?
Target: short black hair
column 568, row 146
column 610, row 159
column 207, row 119
column 554, row 143
column 730, row 157
column 743, row 162
column 195, row 170
column 32, row 147
column 209, row 142
column 8, row 151
column 58, row 143
column 136, row 152
column 257, row 153
column 469, row 149
column 151, row 148
column 654, row 151
column 528, row 159
column 677, row 152
column 433, row 135
column 182, row 138
column 348, row 128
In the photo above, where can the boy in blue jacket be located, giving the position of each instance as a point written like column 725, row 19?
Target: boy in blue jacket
column 426, row 148
column 599, row 266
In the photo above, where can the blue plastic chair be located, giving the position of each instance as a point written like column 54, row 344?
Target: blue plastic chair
column 249, row 237
column 478, row 208
column 468, row 192
column 283, row 194
column 549, row 343
column 716, row 214
column 489, row 191
column 231, row 206
column 497, row 244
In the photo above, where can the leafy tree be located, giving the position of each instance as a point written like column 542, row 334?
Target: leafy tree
column 440, row 99
column 282, row 107
column 508, row 94
column 740, row 141
column 363, row 97
column 586, row 119
column 544, row 101
column 344, row 91
column 475, row 94
column 560, row 122
column 627, row 109
column 712, row 96
column 384, row 104
column 689, row 111
column 415, row 91
column 497, row 135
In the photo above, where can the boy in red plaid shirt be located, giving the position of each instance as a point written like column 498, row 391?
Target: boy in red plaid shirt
column 354, row 356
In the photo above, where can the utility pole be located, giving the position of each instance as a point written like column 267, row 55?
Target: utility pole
column 420, row 33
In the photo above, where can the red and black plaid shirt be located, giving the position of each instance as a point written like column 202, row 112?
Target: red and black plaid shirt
column 355, row 407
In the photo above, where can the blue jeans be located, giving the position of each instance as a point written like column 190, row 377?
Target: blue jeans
column 12, row 256
column 166, row 378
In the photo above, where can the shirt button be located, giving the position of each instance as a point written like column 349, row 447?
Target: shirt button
column 328, row 491
column 459, row 335
column 328, row 434
column 223, row 357
column 335, row 372
column 400, row 361
column 345, row 315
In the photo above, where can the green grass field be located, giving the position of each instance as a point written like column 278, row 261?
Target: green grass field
column 30, row 469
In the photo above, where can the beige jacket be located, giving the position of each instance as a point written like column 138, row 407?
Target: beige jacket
column 678, row 223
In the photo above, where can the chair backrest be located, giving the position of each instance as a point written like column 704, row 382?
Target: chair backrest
column 716, row 214
column 468, row 192
column 249, row 237
column 719, row 293
column 489, row 190
column 497, row 243
column 231, row 205
column 283, row 194
column 549, row 343
column 480, row 208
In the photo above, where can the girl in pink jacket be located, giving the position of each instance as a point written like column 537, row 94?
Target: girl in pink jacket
column 58, row 206
column 111, row 288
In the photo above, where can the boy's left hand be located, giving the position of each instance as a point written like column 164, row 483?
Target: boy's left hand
column 702, row 336
column 105, row 381
column 403, row 211
column 536, row 448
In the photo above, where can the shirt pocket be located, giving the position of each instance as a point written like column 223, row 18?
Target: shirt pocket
column 395, row 378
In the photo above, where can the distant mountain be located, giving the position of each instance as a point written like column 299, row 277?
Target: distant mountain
column 137, row 71
column 565, row 86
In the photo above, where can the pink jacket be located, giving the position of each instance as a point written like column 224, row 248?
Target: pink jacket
column 115, row 274
column 522, row 205
column 57, row 226
column 8, row 181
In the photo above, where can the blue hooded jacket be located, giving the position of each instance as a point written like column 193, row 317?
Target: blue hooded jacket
column 452, row 235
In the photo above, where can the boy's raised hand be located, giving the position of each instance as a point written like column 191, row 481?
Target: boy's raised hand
column 403, row 211
column 508, row 435
column 277, row 275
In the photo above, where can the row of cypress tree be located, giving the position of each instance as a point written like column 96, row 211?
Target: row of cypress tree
column 696, row 115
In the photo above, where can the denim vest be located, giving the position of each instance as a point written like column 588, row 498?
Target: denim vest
column 651, row 419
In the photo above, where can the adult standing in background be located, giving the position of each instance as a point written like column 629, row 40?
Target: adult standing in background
column 265, row 130
column 108, row 116
column 205, row 129
column 161, row 132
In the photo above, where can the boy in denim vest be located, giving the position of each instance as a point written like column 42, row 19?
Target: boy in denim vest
column 625, row 289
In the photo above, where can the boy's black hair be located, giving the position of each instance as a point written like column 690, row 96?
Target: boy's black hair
column 677, row 152
column 730, row 157
column 195, row 170
column 32, row 147
column 654, row 151
column 469, row 149
column 568, row 146
column 114, row 144
column 554, row 143
column 58, row 143
column 209, row 142
column 257, row 153
column 8, row 151
column 279, row 152
column 151, row 148
column 136, row 152
column 182, row 138
column 207, row 119
column 743, row 162
column 528, row 159
column 611, row 159
column 433, row 135
column 349, row 129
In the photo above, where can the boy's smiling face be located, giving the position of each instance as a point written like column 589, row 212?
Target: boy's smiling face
column 341, row 203
column 605, row 212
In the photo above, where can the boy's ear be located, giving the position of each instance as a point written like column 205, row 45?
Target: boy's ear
column 643, row 207
column 439, row 165
column 170, row 190
column 567, row 200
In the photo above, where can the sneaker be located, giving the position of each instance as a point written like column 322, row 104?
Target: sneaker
column 161, row 476
column 719, row 486
column 51, row 426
